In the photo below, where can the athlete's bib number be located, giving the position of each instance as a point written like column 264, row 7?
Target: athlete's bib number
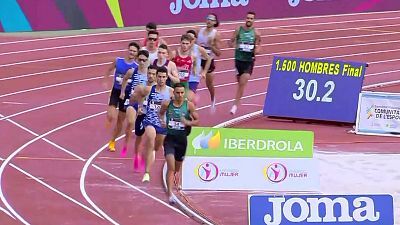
column 119, row 78
column 246, row 47
column 183, row 74
column 126, row 101
column 175, row 125
column 154, row 106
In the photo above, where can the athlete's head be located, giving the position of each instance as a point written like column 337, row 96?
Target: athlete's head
column 162, row 75
column 162, row 52
column 133, row 49
column 186, row 40
column 212, row 20
column 152, row 37
column 143, row 57
column 151, row 26
column 250, row 19
column 192, row 34
column 151, row 73
column 179, row 91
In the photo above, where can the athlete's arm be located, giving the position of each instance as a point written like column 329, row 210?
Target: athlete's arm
column 108, row 73
column 204, row 55
column 257, row 48
column 173, row 72
column 232, row 41
column 215, row 45
column 161, row 113
column 193, row 114
column 128, row 74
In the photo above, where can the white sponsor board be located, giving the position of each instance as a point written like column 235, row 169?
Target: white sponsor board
column 378, row 114
column 244, row 173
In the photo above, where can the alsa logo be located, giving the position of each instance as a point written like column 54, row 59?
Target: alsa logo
column 309, row 210
column 176, row 7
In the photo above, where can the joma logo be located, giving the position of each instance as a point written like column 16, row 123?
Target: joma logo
column 176, row 7
column 364, row 210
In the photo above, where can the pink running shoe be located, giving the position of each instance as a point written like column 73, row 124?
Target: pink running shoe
column 124, row 150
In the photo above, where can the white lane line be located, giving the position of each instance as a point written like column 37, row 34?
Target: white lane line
column 291, row 42
column 4, row 210
column 191, row 25
column 56, row 190
column 268, row 54
column 14, row 103
column 54, row 71
column 120, row 50
column 51, row 104
column 224, row 39
column 12, row 155
column 95, row 103
column 49, row 86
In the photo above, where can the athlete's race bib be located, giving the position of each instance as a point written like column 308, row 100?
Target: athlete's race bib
column 183, row 74
column 119, row 79
column 175, row 125
column 244, row 47
column 155, row 106
column 126, row 101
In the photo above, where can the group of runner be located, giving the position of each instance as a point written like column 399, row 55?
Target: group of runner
column 154, row 90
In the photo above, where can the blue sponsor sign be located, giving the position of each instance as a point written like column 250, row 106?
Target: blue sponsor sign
column 314, row 89
column 321, row 209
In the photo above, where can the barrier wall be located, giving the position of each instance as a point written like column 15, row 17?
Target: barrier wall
column 35, row 15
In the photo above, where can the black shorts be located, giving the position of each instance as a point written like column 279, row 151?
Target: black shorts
column 139, row 128
column 116, row 101
column 175, row 145
column 212, row 65
column 244, row 67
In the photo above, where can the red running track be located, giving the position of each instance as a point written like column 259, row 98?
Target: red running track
column 52, row 104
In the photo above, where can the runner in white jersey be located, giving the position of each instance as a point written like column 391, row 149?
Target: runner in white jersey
column 209, row 38
column 134, row 78
column 151, row 45
column 194, row 78
column 154, row 132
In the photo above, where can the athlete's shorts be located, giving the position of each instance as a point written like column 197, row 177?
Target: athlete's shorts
column 193, row 86
column 139, row 128
column 159, row 130
column 175, row 145
column 114, row 98
column 125, row 103
column 244, row 67
column 212, row 65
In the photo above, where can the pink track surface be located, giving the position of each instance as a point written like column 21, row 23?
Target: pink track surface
column 45, row 89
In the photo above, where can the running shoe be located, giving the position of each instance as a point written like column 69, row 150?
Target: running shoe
column 146, row 177
column 111, row 146
column 233, row 109
column 124, row 150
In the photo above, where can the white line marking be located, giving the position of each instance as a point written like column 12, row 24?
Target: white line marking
column 251, row 104
column 12, row 155
column 55, row 71
column 51, row 104
column 14, row 103
column 49, row 86
column 192, row 25
column 55, row 190
column 95, row 103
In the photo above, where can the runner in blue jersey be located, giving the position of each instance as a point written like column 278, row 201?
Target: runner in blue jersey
column 154, row 132
column 138, row 160
column 194, row 79
column 121, row 66
column 133, row 78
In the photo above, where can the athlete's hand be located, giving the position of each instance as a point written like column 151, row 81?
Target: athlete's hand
column 185, row 121
column 122, row 95
column 203, row 75
column 163, row 124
